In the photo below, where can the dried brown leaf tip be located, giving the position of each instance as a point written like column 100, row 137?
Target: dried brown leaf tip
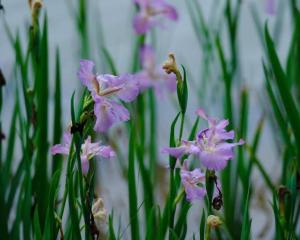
column 2, row 79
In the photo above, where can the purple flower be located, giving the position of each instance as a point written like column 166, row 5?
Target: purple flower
column 153, row 76
column 124, row 87
column 210, row 145
column 88, row 150
column 63, row 148
column 150, row 14
column 186, row 148
column 270, row 7
column 103, row 88
column 193, row 182
column 108, row 113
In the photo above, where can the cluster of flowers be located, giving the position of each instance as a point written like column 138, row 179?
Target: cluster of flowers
column 211, row 148
column 108, row 92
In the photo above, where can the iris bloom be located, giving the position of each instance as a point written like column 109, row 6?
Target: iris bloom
column 150, row 14
column 193, row 182
column 103, row 88
column 210, row 144
column 153, row 76
column 88, row 150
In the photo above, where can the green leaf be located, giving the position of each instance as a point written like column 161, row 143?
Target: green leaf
column 246, row 226
column 133, row 208
column 41, row 86
column 73, row 211
column 202, row 225
column 36, row 225
column 284, row 91
column 57, row 128
column 172, row 160
column 112, row 235
column 50, row 228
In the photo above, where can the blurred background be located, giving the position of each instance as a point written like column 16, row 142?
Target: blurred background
column 110, row 25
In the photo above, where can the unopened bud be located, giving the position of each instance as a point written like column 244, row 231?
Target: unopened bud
column 213, row 221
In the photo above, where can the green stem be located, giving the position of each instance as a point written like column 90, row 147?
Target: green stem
column 207, row 232
column 181, row 126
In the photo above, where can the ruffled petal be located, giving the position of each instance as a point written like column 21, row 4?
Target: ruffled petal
column 85, row 73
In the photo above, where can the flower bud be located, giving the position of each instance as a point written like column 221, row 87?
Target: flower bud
column 99, row 213
column 213, row 221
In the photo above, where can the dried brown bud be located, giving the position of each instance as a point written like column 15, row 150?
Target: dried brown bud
column 170, row 65
column 282, row 192
column 217, row 202
column 35, row 5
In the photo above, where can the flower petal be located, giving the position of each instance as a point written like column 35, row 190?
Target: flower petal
column 108, row 113
column 85, row 73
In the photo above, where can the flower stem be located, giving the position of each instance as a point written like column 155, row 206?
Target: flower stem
column 181, row 126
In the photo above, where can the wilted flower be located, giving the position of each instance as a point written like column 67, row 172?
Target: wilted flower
column 210, row 145
column 150, row 14
column 170, row 65
column 99, row 213
column 193, row 182
column 213, row 221
column 88, row 150
column 153, row 76
column 103, row 88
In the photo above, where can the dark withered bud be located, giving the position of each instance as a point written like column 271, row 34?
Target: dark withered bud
column 283, row 192
column 2, row 136
column 2, row 79
column 217, row 202
column 77, row 127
